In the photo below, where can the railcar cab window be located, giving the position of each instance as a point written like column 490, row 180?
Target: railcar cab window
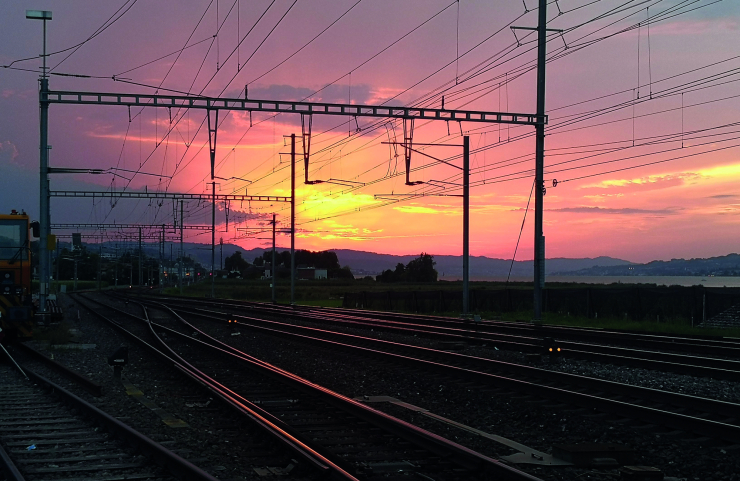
column 13, row 240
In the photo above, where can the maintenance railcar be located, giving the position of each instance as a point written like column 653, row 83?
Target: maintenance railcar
column 16, row 307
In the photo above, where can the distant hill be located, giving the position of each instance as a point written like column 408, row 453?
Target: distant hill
column 728, row 265
column 200, row 252
column 365, row 263
column 371, row 263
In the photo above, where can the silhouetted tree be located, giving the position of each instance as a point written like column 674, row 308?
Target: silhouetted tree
column 235, row 262
column 321, row 260
column 420, row 269
column 344, row 273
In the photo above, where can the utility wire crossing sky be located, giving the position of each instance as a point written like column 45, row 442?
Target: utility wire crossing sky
column 641, row 152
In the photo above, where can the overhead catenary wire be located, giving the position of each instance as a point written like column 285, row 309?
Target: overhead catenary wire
column 521, row 229
column 197, row 73
column 457, row 60
column 437, row 14
column 75, row 47
column 361, row 64
column 629, row 2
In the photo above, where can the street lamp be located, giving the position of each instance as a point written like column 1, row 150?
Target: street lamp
column 44, row 170
column 40, row 15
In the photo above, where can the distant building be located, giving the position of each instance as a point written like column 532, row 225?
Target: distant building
column 310, row 273
column 187, row 272
column 266, row 270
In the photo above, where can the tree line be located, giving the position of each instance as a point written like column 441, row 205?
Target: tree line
column 320, row 260
column 420, row 269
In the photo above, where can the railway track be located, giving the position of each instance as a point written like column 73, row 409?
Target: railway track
column 344, row 437
column 47, row 433
column 707, row 345
column 702, row 416
column 523, row 339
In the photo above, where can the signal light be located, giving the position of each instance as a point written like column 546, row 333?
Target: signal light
column 550, row 346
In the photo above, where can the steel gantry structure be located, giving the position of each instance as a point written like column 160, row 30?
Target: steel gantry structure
column 106, row 227
column 212, row 106
column 119, row 232
column 167, row 195
column 213, row 198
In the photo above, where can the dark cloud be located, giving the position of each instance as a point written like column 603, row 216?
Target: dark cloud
column 722, row 196
column 623, row 211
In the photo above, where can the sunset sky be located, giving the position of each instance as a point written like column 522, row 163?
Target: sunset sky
column 643, row 137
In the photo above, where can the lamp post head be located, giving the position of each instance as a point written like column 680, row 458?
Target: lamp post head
column 38, row 14
column 41, row 15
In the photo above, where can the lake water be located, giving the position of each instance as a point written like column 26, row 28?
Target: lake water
column 708, row 281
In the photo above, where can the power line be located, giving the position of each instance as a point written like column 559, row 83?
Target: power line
column 97, row 32
column 305, row 44
column 278, row 65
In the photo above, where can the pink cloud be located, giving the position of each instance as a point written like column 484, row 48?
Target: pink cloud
column 643, row 184
column 8, row 153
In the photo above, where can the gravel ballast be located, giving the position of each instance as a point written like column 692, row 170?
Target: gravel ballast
column 209, row 442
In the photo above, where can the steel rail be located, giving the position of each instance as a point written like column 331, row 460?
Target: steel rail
column 647, row 414
column 447, row 449
column 274, row 427
column 473, row 333
column 90, row 386
column 678, row 363
column 443, row 447
column 9, row 467
column 702, row 344
column 235, row 400
column 437, row 444
column 165, row 458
